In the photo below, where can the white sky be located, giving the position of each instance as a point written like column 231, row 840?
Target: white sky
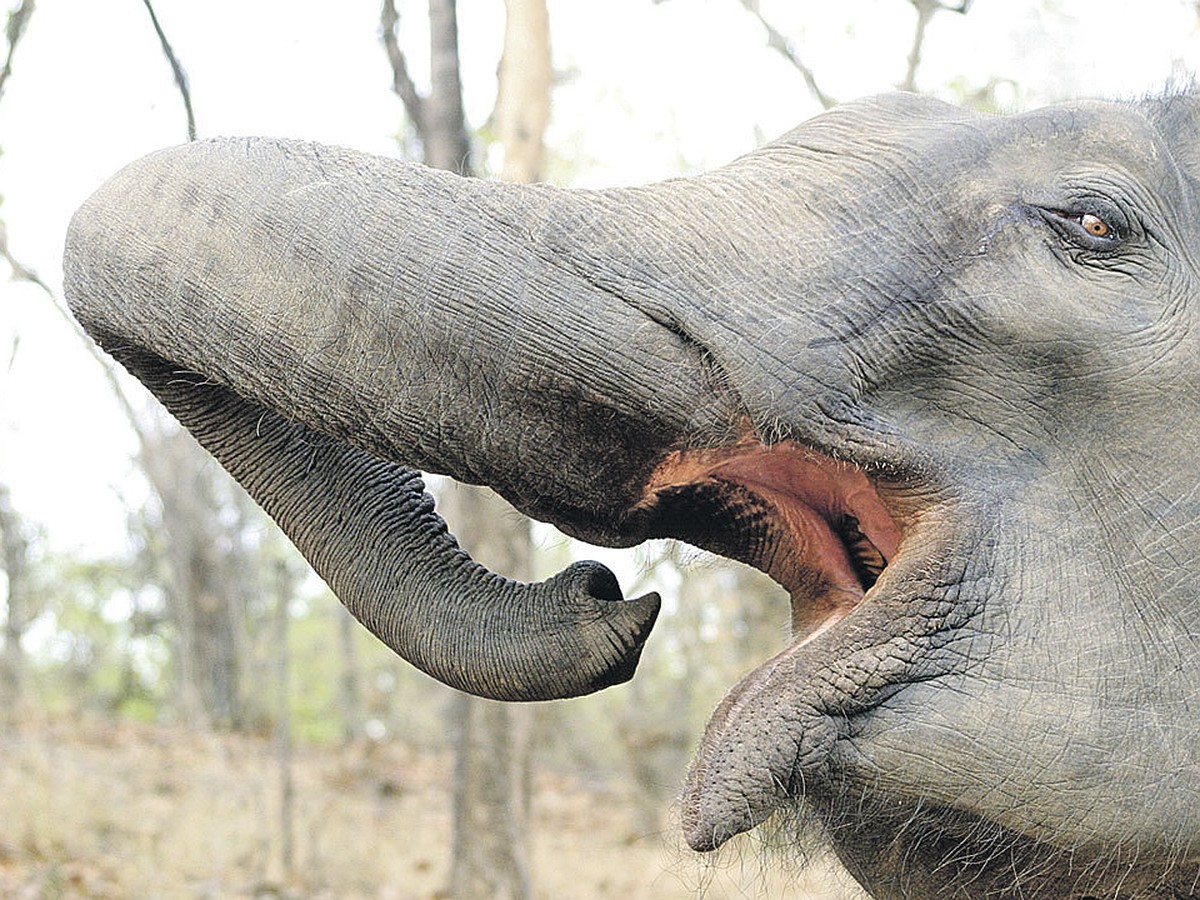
column 653, row 89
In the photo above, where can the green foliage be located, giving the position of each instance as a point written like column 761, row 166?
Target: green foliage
column 90, row 640
column 315, row 663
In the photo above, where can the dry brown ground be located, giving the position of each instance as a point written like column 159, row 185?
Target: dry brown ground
column 120, row 810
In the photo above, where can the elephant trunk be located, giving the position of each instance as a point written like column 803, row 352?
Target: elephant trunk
column 368, row 527
column 321, row 319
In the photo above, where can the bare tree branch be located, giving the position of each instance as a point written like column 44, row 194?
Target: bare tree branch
column 181, row 81
column 21, row 272
column 925, row 11
column 777, row 41
column 402, row 84
column 17, row 20
column 13, row 32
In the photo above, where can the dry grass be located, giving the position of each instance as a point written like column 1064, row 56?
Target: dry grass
column 118, row 810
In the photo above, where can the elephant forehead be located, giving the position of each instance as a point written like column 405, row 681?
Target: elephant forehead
column 902, row 154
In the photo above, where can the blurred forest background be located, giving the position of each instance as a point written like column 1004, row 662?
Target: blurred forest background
column 185, row 710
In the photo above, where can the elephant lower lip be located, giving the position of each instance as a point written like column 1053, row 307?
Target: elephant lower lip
column 816, row 525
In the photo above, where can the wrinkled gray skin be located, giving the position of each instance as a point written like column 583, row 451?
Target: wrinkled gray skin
column 908, row 288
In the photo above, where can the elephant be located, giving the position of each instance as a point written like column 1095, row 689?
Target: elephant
column 936, row 372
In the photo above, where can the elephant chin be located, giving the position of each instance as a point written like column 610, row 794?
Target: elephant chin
column 856, row 555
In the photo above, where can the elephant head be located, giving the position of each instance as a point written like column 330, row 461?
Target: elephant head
column 937, row 373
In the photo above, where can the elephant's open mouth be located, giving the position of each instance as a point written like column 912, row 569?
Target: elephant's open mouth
column 817, row 526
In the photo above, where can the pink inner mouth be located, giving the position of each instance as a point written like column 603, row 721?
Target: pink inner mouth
column 826, row 535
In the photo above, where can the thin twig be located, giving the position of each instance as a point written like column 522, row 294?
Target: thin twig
column 181, row 80
column 777, row 41
column 18, row 19
column 925, row 11
column 402, row 84
column 21, row 272
column 14, row 31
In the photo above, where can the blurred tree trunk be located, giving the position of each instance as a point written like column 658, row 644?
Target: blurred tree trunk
column 492, row 740
column 523, row 95
column 349, row 690
column 444, row 125
column 203, row 575
column 15, row 559
column 284, row 587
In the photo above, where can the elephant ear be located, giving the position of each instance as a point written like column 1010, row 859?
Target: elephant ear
column 1177, row 117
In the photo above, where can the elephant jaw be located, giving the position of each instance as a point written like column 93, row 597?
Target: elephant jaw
column 821, row 529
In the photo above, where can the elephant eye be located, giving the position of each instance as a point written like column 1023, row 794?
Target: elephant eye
column 1094, row 225
column 1100, row 227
